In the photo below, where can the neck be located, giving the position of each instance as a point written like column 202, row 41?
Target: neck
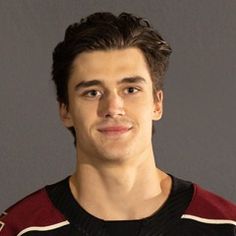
column 126, row 190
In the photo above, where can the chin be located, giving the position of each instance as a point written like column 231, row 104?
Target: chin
column 114, row 157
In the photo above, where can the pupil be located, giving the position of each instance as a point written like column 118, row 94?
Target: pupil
column 93, row 93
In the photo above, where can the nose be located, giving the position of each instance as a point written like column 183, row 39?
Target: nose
column 111, row 106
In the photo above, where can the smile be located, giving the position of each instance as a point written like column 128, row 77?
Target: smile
column 114, row 130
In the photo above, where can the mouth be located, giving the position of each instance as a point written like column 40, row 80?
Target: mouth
column 114, row 130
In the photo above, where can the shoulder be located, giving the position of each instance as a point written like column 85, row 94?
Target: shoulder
column 208, row 207
column 34, row 210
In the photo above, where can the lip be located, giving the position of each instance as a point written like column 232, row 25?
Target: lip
column 114, row 130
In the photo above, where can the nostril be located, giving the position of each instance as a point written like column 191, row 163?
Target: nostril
column 112, row 106
column 114, row 113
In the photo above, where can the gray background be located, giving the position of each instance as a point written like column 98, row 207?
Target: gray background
column 195, row 139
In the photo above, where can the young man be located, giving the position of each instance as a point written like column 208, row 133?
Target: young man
column 109, row 75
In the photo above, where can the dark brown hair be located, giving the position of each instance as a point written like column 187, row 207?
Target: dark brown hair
column 105, row 31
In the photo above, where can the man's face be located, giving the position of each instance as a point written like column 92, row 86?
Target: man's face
column 111, row 104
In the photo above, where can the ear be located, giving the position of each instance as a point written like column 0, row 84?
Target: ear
column 158, row 105
column 65, row 115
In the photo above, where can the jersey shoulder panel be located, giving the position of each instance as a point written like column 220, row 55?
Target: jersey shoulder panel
column 35, row 210
column 208, row 205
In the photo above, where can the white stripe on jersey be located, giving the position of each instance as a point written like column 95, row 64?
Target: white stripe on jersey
column 208, row 221
column 44, row 228
column 1, row 225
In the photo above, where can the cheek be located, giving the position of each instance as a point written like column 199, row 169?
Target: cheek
column 80, row 116
column 146, row 121
column 142, row 106
column 142, row 115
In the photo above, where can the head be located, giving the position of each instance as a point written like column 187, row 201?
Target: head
column 105, row 31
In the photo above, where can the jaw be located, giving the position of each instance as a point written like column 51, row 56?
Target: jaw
column 115, row 151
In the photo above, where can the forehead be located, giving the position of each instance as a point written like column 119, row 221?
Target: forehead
column 115, row 63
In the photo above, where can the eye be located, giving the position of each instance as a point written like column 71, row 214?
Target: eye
column 92, row 93
column 131, row 90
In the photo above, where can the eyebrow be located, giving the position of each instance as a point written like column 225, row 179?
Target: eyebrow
column 133, row 79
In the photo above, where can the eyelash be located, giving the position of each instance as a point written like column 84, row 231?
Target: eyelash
column 137, row 89
column 86, row 93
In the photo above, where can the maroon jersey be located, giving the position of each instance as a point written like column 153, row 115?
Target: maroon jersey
column 189, row 210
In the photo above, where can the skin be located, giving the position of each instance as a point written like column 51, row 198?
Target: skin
column 113, row 116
